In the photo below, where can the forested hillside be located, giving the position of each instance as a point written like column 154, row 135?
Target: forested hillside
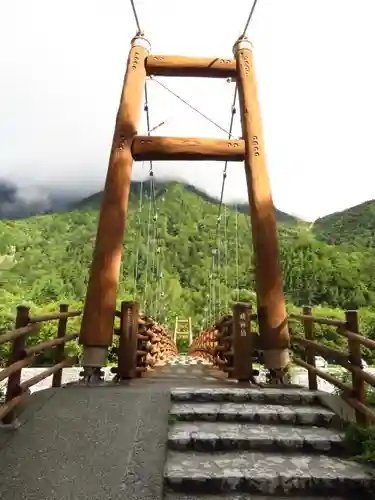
column 354, row 227
column 44, row 260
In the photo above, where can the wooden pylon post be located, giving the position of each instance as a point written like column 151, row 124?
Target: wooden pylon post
column 100, row 305
column 272, row 317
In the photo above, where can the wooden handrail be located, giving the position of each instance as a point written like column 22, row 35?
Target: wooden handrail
column 9, row 406
column 360, row 407
column 49, row 343
column 15, row 367
column 326, row 376
column 46, row 373
column 18, row 332
column 355, row 394
column 321, row 348
column 319, row 319
column 359, row 338
column 350, row 359
column 54, row 316
column 22, row 355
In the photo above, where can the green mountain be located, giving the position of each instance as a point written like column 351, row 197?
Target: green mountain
column 172, row 253
column 161, row 188
column 354, row 227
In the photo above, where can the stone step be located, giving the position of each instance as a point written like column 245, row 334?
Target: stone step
column 227, row 436
column 241, row 496
column 266, row 474
column 257, row 413
column 244, row 395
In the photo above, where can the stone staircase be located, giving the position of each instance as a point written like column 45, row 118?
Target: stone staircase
column 257, row 444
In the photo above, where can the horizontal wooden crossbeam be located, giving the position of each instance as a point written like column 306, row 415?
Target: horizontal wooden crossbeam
column 209, row 67
column 146, row 148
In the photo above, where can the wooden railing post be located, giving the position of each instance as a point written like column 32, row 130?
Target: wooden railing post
column 308, row 326
column 127, row 351
column 354, row 348
column 242, row 342
column 60, row 349
column 17, row 353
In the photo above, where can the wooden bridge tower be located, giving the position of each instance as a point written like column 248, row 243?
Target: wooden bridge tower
column 183, row 329
column 99, row 311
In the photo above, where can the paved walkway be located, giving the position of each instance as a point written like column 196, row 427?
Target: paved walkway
column 97, row 443
column 104, row 442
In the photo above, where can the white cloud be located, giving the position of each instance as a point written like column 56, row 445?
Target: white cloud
column 62, row 70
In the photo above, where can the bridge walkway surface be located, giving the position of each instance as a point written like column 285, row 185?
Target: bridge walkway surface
column 183, row 433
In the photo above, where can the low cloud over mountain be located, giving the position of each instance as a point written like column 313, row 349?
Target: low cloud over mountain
column 17, row 202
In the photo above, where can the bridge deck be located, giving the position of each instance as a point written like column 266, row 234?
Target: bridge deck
column 95, row 443
column 111, row 441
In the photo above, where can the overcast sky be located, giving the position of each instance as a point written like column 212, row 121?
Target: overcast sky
column 61, row 71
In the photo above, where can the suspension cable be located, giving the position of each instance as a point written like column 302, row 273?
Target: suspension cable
column 213, row 290
column 191, row 106
column 145, row 296
column 152, row 229
column 153, row 266
column 157, row 126
column 160, row 305
column 249, row 19
column 159, row 282
column 225, row 259
column 216, row 251
column 136, row 18
column 139, row 234
column 151, row 300
column 237, row 256
column 151, row 173
column 233, row 112
column 150, row 206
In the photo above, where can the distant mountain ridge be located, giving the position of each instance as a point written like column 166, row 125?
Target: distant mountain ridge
column 354, row 227
column 94, row 200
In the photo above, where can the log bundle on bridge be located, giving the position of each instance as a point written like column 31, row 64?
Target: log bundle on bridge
column 142, row 343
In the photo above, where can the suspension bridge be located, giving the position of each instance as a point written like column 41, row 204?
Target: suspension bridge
column 206, row 425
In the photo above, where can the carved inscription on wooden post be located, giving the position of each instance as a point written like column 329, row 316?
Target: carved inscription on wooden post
column 243, row 342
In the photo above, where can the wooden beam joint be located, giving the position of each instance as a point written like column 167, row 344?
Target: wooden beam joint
column 146, row 148
column 206, row 67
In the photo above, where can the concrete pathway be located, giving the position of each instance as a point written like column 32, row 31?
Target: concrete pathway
column 100, row 443
column 106, row 442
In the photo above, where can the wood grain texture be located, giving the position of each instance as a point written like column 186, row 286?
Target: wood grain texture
column 272, row 315
column 100, row 304
column 145, row 148
column 206, row 67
